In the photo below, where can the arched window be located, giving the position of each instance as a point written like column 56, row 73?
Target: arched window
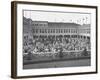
column 33, row 31
column 59, row 30
column 42, row 30
column 48, row 30
column 69, row 30
column 53, row 30
column 66, row 30
column 36, row 31
column 45, row 30
column 56, row 30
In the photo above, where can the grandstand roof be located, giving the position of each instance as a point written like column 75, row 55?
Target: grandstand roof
column 62, row 24
column 52, row 24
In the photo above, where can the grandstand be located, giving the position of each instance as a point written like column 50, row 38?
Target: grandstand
column 55, row 39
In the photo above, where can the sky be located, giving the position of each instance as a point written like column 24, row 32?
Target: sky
column 54, row 16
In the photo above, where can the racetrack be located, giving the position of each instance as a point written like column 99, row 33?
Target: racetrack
column 56, row 64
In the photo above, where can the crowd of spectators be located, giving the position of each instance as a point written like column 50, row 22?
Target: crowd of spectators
column 52, row 45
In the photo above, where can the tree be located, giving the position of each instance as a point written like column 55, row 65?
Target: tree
column 85, row 52
column 29, row 55
column 61, row 53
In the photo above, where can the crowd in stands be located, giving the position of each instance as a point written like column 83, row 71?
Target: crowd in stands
column 45, row 45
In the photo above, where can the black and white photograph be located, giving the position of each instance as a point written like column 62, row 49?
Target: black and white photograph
column 53, row 39
column 56, row 39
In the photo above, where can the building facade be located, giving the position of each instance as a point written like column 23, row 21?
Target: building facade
column 44, row 28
